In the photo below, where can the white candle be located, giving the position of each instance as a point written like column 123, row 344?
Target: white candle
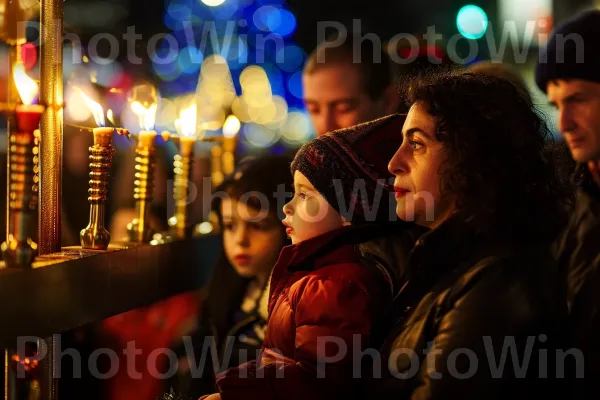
column 146, row 139
column 103, row 136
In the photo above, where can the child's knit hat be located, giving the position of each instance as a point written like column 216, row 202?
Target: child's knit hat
column 349, row 168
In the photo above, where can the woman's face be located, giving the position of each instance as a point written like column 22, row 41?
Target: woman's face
column 252, row 239
column 417, row 167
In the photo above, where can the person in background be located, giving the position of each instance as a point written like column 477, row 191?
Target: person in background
column 234, row 312
column 327, row 294
column 343, row 88
column 568, row 71
column 473, row 169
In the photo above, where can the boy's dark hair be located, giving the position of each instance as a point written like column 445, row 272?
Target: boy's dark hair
column 265, row 175
column 373, row 62
column 498, row 163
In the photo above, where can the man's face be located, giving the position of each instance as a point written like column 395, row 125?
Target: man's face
column 335, row 98
column 578, row 105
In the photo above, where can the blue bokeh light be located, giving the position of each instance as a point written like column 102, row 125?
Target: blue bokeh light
column 282, row 23
column 263, row 14
column 295, row 84
column 190, row 60
column 226, row 10
column 235, row 51
column 290, row 58
column 275, row 79
column 472, row 21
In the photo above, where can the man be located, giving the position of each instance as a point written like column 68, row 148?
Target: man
column 568, row 70
column 343, row 88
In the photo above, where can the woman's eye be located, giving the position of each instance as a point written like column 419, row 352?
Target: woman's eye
column 415, row 145
column 227, row 226
column 302, row 195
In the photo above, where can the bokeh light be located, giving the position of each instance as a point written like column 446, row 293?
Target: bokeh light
column 252, row 73
column 189, row 60
column 106, row 74
column 75, row 108
column 295, row 84
column 275, row 77
column 290, row 58
column 283, row 23
column 224, row 11
column 167, row 114
column 235, row 51
column 259, row 135
column 472, row 21
column 263, row 14
column 281, row 110
column 213, row 3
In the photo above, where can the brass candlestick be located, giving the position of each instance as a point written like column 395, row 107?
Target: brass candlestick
column 228, row 155
column 95, row 236
column 20, row 249
column 139, row 229
column 182, row 166
column 231, row 127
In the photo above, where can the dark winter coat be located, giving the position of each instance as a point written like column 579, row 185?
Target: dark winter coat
column 579, row 258
column 466, row 297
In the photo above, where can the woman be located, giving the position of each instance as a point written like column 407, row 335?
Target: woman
column 233, row 318
column 474, row 170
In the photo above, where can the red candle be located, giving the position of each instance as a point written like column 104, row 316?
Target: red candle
column 28, row 117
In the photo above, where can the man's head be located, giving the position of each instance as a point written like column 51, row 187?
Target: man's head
column 344, row 87
column 568, row 70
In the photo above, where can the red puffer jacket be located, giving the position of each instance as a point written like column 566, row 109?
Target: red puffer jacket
column 325, row 300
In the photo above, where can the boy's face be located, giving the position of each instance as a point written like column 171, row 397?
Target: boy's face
column 252, row 239
column 308, row 214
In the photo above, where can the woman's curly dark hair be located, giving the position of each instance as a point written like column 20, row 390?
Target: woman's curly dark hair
column 499, row 162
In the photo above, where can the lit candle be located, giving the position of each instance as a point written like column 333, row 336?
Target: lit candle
column 28, row 114
column 139, row 229
column 147, row 118
column 186, row 129
column 19, row 250
column 95, row 236
column 231, row 127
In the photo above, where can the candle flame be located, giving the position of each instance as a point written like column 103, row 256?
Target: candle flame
column 186, row 124
column 95, row 108
column 147, row 116
column 231, row 126
column 27, row 87
column 110, row 117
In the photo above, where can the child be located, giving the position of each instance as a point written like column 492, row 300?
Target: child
column 235, row 308
column 325, row 298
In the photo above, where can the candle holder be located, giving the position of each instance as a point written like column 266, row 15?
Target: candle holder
column 228, row 155
column 95, row 236
column 20, row 249
column 139, row 229
column 216, row 165
column 182, row 165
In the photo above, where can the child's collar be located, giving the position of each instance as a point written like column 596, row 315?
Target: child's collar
column 329, row 247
